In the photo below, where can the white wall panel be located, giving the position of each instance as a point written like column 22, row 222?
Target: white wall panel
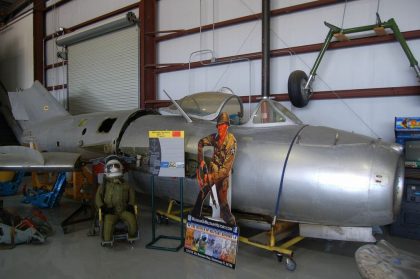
column 302, row 28
column 241, row 77
column 180, row 14
column 234, row 40
column 16, row 54
column 103, row 72
column 50, row 52
column 383, row 65
column 348, row 114
column 278, row 4
column 246, row 39
column 225, row 10
column 185, row 14
column 56, row 76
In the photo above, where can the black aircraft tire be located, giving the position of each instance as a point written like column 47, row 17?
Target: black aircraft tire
column 295, row 85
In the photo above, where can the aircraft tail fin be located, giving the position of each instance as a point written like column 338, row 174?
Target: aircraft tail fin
column 21, row 109
column 35, row 104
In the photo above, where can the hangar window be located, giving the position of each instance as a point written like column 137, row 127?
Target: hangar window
column 106, row 125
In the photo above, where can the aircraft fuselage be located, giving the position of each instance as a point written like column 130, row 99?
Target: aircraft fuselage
column 295, row 172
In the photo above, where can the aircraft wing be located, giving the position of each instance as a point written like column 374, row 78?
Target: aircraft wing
column 25, row 158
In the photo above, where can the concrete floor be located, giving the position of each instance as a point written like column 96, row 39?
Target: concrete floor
column 75, row 255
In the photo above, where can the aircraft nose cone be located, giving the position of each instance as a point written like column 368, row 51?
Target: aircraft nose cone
column 387, row 180
column 339, row 178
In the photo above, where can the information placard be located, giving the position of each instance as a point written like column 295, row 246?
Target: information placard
column 167, row 156
column 214, row 241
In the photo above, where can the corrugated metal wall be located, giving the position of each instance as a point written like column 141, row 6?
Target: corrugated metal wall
column 104, row 73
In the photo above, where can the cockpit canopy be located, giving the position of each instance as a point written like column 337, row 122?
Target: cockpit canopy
column 208, row 106
column 271, row 113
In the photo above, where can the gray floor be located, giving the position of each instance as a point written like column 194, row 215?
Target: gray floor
column 75, row 255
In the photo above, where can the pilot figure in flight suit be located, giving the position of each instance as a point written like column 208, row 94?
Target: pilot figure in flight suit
column 218, row 171
column 114, row 197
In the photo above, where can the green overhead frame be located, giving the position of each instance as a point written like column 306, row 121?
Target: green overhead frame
column 300, row 85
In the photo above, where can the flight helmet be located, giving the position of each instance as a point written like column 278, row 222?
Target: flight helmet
column 113, row 167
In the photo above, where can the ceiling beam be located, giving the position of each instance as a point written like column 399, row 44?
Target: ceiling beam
column 13, row 9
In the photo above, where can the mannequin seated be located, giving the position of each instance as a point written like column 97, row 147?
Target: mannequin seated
column 116, row 203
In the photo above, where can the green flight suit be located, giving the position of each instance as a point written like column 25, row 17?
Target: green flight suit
column 114, row 197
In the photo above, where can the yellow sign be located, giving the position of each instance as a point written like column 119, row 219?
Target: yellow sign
column 166, row 134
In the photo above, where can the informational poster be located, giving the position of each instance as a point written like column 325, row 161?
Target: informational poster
column 167, row 156
column 214, row 241
column 407, row 123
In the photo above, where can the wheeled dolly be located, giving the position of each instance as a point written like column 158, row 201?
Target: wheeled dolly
column 282, row 229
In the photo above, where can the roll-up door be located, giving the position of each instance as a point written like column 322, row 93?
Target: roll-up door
column 103, row 72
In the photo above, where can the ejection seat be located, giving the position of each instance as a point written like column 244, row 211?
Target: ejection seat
column 120, row 228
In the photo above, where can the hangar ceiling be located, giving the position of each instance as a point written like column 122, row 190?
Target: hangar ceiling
column 9, row 8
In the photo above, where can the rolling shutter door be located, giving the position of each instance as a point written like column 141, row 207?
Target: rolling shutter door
column 103, row 72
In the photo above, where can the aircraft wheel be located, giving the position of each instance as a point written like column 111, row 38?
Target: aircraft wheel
column 296, row 89
column 160, row 219
column 290, row 264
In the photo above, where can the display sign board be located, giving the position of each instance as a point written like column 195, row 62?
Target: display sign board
column 214, row 241
column 407, row 123
column 407, row 129
column 167, row 156
column 407, row 133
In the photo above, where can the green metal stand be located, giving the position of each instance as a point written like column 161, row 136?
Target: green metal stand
column 390, row 24
column 300, row 85
column 152, row 244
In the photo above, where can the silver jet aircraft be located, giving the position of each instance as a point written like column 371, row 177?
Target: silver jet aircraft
column 283, row 168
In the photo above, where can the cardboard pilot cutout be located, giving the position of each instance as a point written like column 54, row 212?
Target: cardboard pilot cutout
column 218, row 170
